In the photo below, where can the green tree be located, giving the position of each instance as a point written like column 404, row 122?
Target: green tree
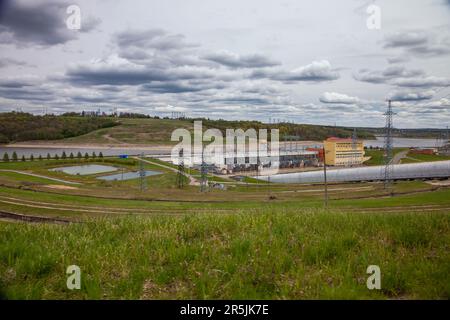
column 100, row 154
column 86, row 156
column 71, row 155
column 6, row 157
column 23, row 158
column 56, row 156
column 48, row 156
column 79, row 155
column 40, row 157
column 94, row 155
column 14, row 156
column 31, row 157
column 64, row 156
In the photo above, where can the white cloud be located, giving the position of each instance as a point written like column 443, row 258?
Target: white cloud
column 338, row 98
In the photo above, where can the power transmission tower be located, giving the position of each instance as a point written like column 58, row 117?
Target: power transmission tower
column 143, row 181
column 388, row 146
column 204, row 175
column 181, row 172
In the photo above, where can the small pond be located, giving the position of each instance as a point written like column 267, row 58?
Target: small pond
column 128, row 175
column 85, row 169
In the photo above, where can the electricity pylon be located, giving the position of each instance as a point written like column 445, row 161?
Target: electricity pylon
column 181, row 171
column 388, row 146
column 143, row 180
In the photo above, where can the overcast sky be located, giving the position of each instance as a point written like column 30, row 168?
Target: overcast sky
column 303, row 61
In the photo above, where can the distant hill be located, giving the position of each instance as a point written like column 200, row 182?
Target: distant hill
column 290, row 130
column 429, row 133
column 129, row 128
column 20, row 126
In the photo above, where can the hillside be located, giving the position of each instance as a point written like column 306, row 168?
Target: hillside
column 20, row 126
column 126, row 130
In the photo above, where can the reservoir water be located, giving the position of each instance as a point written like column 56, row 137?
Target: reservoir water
column 114, row 151
column 85, row 169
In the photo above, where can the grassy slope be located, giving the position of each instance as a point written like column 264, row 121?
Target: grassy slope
column 134, row 131
column 254, row 248
column 415, row 158
column 377, row 156
column 158, row 131
column 282, row 254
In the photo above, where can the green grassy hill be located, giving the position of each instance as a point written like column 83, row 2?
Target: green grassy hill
column 77, row 129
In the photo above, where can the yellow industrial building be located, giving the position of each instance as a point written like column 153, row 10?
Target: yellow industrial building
column 343, row 152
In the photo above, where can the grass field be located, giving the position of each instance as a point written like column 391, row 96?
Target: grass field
column 257, row 254
column 377, row 156
column 415, row 158
column 133, row 131
column 172, row 243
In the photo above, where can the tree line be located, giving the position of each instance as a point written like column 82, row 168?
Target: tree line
column 21, row 126
column 288, row 130
column 63, row 156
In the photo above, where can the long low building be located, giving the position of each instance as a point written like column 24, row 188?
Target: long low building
column 425, row 170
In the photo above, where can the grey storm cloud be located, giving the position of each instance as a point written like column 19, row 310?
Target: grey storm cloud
column 28, row 22
column 89, row 24
column 386, row 75
column 423, row 82
column 422, row 44
column 398, row 59
column 17, row 82
column 25, row 23
column 27, row 93
column 249, row 67
column 179, row 86
column 157, row 39
column 411, row 96
column 233, row 60
column 7, row 62
column 405, row 39
column 243, row 100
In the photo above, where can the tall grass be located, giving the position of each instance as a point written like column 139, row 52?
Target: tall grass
column 259, row 254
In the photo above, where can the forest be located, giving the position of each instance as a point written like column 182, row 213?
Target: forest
column 21, row 126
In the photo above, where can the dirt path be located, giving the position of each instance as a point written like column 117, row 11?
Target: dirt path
column 40, row 176
column 113, row 140
column 26, row 218
column 95, row 209
column 399, row 156
column 329, row 189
